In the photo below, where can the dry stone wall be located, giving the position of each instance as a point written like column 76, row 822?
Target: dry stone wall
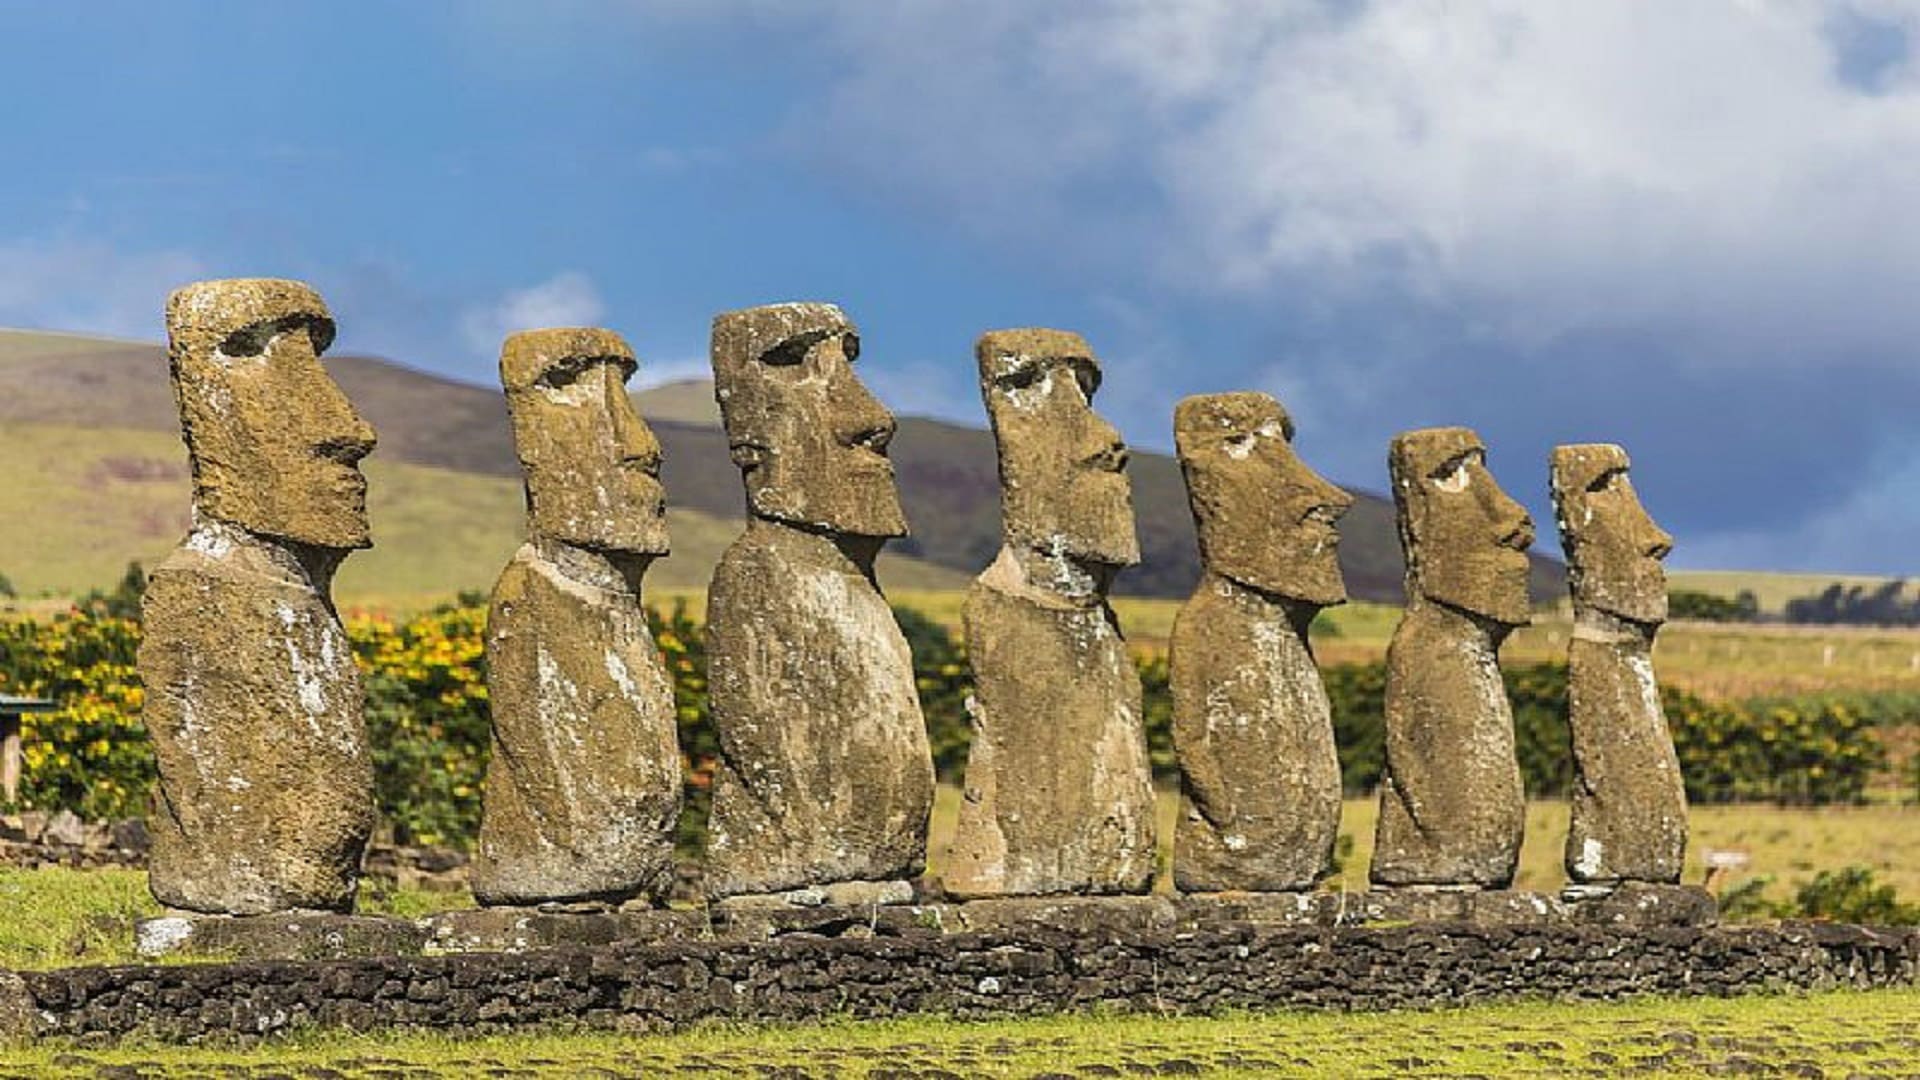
column 1027, row 970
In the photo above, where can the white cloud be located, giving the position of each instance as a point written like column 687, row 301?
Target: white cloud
column 566, row 299
column 1711, row 170
column 84, row 286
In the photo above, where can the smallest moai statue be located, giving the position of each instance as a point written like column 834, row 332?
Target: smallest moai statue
column 583, row 789
column 1452, row 805
column 1629, row 801
column 253, row 703
column 1259, row 773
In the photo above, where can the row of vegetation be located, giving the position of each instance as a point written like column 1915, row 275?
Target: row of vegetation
column 428, row 720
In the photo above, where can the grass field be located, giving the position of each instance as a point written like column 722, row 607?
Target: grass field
column 1832, row 1034
column 54, row 918
column 436, row 531
column 1770, row 590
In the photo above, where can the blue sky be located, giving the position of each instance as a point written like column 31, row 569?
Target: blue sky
column 1689, row 226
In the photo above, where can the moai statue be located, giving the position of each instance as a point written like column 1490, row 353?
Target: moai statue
column 1259, row 775
column 1629, row 802
column 1058, row 796
column 1452, row 808
column 253, row 703
column 825, row 774
column 583, row 789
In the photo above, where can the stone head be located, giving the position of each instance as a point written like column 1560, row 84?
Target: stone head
column 1264, row 518
column 592, row 465
column 1465, row 540
column 1613, row 547
column 1063, row 481
column 275, row 445
column 810, row 440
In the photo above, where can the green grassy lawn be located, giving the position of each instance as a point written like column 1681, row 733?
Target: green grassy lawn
column 1835, row 1034
column 58, row 918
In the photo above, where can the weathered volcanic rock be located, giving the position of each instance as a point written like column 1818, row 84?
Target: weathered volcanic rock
column 253, row 703
column 825, row 774
column 1260, row 776
column 1058, row 795
column 1629, row 819
column 1452, row 807
column 583, row 788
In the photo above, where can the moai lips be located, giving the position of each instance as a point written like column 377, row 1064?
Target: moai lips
column 825, row 773
column 1629, row 815
column 583, row 787
column 253, row 702
column 1260, row 776
column 1058, row 796
column 1452, row 808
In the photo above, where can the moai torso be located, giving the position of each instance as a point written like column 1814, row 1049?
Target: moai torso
column 825, row 775
column 1058, row 795
column 265, row 800
column 583, row 787
column 1629, row 815
column 1452, row 807
column 1260, row 775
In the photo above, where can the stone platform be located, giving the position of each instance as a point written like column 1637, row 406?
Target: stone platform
column 512, row 930
column 1093, row 956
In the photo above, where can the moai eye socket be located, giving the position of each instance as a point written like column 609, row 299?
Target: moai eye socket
column 561, row 375
column 1088, row 377
column 1022, row 377
column 850, row 346
column 1605, row 480
column 1455, row 475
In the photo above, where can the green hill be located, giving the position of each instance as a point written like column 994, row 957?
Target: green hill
column 463, row 512
column 83, row 502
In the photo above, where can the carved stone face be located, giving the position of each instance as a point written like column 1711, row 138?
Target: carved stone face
column 1063, row 481
column 810, row 440
column 592, row 465
column 1465, row 540
column 1613, row 547
column 275, row 445
column 1265, row 519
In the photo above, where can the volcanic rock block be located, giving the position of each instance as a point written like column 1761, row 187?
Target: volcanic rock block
column 1058, row 794
column 1629, row 801
column 1452, row 808
column 583, row 788
column 1259, row 774
column 825, row 773
column 253, row 703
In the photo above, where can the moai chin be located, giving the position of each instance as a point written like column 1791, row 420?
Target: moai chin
column 1259, row 774
column 583, row 788
column 1629, row 800
column 1058, row 795
column 825, row 773
column 1452, row 808
column 253, row 703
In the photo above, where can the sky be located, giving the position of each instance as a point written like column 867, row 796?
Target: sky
column 1691, row 227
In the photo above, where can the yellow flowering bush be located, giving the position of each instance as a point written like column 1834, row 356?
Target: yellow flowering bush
column 427, row 720
column 91, row 755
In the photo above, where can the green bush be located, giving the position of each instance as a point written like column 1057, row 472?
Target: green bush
column 1815, row 751
column 91, row 755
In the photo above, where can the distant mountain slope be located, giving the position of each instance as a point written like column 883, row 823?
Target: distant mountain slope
column 948, row 473
column 950, row 483
column 82, row 502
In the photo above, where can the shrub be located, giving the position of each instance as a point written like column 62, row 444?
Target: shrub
column 91, row 755
column 427, row 720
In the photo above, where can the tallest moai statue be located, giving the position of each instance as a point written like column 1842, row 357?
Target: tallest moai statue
column 252, row 699
column 825, row 772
